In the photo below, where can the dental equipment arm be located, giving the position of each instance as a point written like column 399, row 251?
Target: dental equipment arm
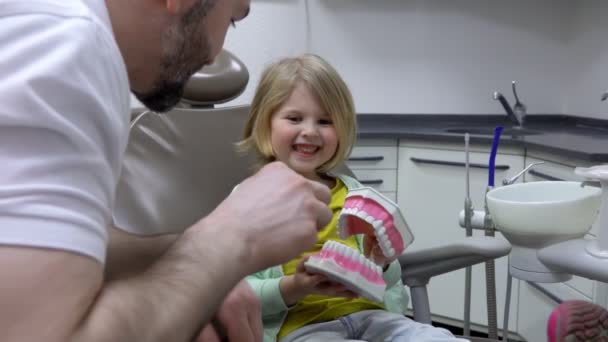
column 418, row 267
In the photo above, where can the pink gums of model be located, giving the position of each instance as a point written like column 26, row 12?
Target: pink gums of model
column 365, row 211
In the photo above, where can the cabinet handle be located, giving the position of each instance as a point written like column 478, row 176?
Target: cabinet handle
column 373, row 158
column 451, row 163
column 544, row 175
column 371, row 181
column 546, row 292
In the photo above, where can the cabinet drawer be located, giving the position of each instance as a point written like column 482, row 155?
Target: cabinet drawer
column 373, row 157
column 381, row 180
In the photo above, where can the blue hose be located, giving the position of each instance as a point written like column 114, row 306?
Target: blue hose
column 497, row 132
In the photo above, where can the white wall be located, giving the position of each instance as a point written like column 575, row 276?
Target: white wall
column 273, row 29
column 588, row 57
column 438, row 56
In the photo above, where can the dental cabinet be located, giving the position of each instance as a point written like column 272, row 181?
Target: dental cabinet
column 431, row 195
column 374, row 163
column 427, row 180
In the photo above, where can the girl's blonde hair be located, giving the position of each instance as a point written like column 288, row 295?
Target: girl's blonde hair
column 276, row 84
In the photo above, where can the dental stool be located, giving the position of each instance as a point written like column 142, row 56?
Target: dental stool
column 180, row 165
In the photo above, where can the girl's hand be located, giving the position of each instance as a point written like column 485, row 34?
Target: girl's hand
column 303, row 283
column 372, row 251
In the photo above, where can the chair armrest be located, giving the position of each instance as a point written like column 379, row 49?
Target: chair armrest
column 417, row 267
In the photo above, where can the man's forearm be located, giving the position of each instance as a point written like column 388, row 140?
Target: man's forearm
column 130, row 254
column 172, row 299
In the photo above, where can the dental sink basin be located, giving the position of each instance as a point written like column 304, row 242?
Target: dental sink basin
column 490, row 131
column 537, row 214
column 544, row 208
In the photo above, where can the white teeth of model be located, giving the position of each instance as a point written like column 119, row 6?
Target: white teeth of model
column 370, row 219
column 362, row 215
column 381, row 231
column 377, row 224
column 388, row 250
column 385, row 243
column 344, row 249
column 378, row 269
column 332, row 246
column 383, row 238
column 349, row 253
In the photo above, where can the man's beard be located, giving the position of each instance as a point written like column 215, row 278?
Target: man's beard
column 189, row 55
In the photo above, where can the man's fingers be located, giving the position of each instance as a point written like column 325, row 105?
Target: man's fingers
column 324, row 216
column 208, row 335
column 321, row 192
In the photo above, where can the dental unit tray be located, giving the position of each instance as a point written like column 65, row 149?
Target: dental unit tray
column 365, row 211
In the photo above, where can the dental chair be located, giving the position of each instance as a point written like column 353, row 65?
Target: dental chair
column 180, row 165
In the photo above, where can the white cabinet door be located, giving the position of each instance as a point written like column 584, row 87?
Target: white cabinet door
column 374, row 163
column 431, row 190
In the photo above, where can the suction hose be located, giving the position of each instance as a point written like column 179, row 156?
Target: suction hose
column 489, row 231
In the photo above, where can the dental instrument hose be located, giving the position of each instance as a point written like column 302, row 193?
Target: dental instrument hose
column 489, row 231
column 468, row 208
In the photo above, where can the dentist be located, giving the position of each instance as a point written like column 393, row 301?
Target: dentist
column 66, row 71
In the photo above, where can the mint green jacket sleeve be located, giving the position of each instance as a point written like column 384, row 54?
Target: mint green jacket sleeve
column 265, row 285
column 396, row 297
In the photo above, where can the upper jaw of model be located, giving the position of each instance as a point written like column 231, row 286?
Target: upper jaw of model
column 367, row 211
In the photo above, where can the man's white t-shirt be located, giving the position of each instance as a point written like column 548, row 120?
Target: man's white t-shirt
column 64, row 119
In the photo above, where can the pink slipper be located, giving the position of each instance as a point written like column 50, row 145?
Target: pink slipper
column 578, row 321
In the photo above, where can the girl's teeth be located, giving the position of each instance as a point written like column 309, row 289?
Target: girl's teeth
column 306, row 149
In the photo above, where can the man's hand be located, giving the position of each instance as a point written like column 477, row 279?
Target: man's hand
column 240, row 317
column 272, row 217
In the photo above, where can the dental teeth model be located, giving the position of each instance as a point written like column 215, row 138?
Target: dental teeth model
column 365, row 211
column 347, row 266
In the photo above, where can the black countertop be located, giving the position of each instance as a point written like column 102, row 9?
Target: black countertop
column 567, row 136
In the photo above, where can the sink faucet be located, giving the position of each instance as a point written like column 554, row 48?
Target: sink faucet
column 514, row 178
column 517, row 114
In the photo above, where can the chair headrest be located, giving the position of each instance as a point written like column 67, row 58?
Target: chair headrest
column 219, row 82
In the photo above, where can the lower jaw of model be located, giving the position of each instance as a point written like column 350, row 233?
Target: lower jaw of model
column 365, row 211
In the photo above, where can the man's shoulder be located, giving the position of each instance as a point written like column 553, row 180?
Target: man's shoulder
column 94, row 12
column 71, row 8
